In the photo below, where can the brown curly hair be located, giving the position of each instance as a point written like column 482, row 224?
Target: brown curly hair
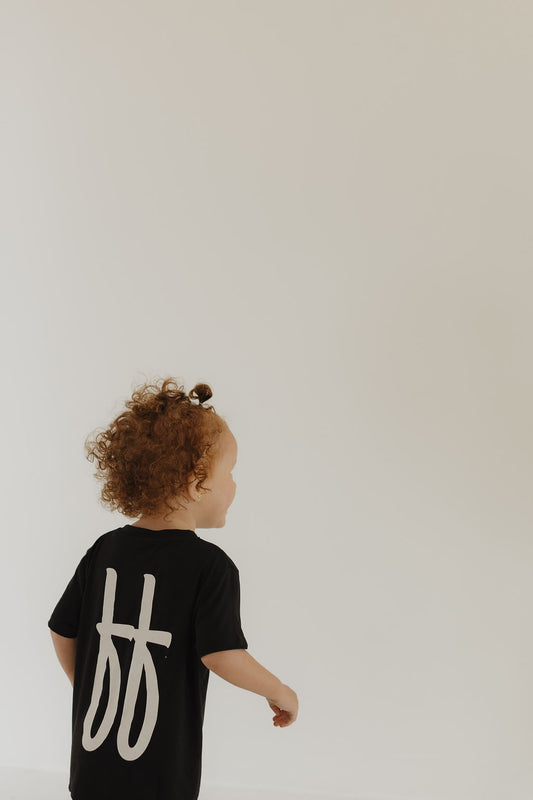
column 148, row 454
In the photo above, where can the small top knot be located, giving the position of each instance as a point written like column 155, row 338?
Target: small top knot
column 202, row 392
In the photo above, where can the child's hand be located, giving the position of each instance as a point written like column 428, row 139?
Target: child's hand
column 286, row 708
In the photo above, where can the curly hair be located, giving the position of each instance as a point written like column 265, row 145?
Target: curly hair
column 151, row 452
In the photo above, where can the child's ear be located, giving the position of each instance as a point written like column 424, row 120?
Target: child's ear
column 191, row 490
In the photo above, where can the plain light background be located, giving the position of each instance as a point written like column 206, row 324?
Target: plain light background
column 323, row 210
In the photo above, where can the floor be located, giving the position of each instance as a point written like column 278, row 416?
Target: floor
column 22, row 784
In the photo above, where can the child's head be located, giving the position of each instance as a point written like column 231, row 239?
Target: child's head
column 167, row 458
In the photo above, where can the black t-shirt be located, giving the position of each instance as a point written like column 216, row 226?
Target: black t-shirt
column 145, row 606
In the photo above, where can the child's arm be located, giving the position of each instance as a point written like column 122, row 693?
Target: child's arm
column 241, row 669
column 66, row 653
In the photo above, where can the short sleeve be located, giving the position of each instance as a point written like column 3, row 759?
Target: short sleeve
column 66, row 615
column 217, row 619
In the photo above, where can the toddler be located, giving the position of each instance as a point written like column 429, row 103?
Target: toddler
column 152, row 608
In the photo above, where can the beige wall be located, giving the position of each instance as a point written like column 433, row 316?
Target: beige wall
column 322, row 209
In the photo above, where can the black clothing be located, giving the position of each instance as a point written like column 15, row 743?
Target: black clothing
column 145, row 606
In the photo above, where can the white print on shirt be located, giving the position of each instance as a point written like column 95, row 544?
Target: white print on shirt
column 141, row 659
